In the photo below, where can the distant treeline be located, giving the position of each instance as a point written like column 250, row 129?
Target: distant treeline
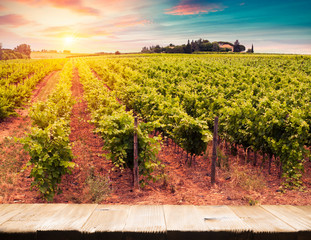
column 200, row 45
column 20, row 52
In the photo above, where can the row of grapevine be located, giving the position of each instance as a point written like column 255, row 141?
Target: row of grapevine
column 162, row 110
column 263, row 101
column 116, row 127
column 48, row 142
column 18, row 78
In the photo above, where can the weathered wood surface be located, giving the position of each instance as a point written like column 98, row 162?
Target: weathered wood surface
column 261, row 220
column 145, row 219
column 91, row 221
column 293, row 216
column 221, row 218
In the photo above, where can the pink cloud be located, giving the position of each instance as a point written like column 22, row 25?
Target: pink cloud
column 13, row 20
column 73, row 5
column 2, row 8
column 188, row 8
column 6, row 34
column 92, row 32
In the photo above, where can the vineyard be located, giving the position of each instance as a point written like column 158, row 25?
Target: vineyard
column 263, row 103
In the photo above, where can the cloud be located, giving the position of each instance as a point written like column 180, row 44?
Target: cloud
column 2, row 8
column 66, row 31
column 73, row 5
column 6, row 34
column 14, row 20
column 129, row 21
column 192, row 7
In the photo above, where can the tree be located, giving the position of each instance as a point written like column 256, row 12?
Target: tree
column 206, row 47
column 194, row 46
column 241, row 48
column 251, row 50
column 157, row 49
column 188, row 48
column 23, row 49
column 215, row 47
column 237, row 47
column 117, row 53
column 145, row 50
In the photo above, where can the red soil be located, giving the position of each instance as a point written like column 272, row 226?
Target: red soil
column 242, row 184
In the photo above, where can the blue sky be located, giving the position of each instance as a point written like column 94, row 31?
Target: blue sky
column 128, row 25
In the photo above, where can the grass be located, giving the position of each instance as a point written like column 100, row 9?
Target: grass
column 247, row 178
column 99, row 186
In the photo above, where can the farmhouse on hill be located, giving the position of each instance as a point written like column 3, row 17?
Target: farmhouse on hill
column 226, row 45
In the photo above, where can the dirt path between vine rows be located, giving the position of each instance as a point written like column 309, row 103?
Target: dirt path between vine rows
column 44, row 87
column 89, row 159
column 14, row 186
column 87, row 149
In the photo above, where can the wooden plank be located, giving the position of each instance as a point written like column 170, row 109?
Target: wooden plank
column 106, row 222
column 307, row 209
column 145, row 218
column 21, row 219
column 293, row 216
column 221, row 218
column 260, row 220
column 67, row 223
column 71, row 218
column 184, row 222
column 7, row 211
column 183, row 218
column 19, row 225
column 32, row 217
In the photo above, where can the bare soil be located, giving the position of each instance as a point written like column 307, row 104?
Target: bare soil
column 238, row 183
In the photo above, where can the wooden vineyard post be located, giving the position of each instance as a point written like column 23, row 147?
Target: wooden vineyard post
column 135, row 170
column 214, row 154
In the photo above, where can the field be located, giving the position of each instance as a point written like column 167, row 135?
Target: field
column 42, row 55
column 67, row 128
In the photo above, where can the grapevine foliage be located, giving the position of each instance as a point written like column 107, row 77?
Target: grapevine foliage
column 48, row 143
column 263, row 102
column 17, row 80
column 116, row 127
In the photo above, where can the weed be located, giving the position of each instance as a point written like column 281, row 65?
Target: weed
column 223, row 160
column 247, row 179
column 251, row 202
column 165, row 180
column 99, row 186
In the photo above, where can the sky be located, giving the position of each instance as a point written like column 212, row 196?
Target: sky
column 89, row 26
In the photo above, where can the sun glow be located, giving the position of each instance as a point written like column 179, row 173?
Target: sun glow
column 69, row 40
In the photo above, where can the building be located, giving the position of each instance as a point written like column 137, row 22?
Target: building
column 226, row 45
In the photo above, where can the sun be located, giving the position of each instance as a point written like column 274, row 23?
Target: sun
column 69, row 40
